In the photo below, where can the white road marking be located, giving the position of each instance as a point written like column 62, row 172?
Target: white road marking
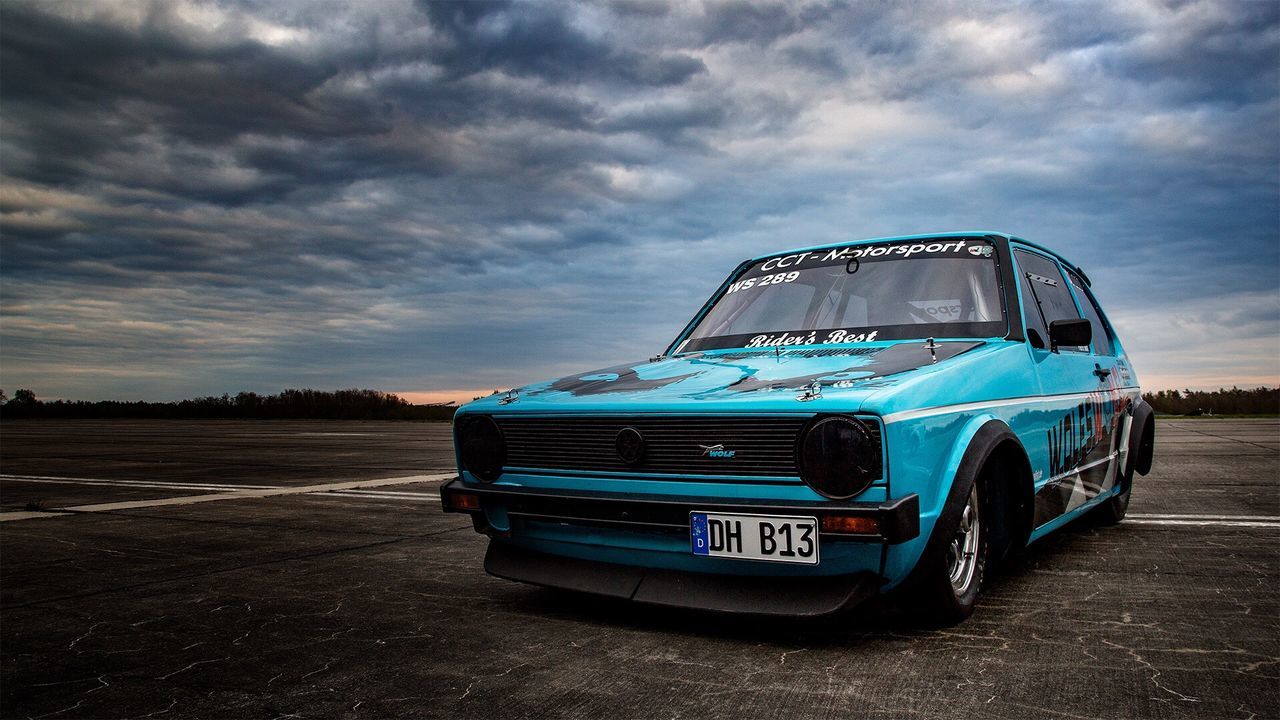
column 386, row 492
column 239, row 494
column 418, row 497
column 1207, row 523
column 133, row 483
column 366, row 489
column 1170, row 516
column 27, row 515
column 1230, row 521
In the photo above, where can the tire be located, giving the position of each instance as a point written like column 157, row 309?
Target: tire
column 1111, row 511
column 950, row 574
column 983, row 474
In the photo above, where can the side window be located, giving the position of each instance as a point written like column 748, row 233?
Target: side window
column 1037, row 333
column 1101, row 338
column 1048, row 291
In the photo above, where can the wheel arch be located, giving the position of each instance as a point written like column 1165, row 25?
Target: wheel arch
column 994, row 455
column 981, row 441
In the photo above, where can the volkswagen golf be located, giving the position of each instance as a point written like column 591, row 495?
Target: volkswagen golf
column 894, row 415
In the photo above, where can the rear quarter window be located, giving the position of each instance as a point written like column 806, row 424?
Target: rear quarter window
column 1102, row 344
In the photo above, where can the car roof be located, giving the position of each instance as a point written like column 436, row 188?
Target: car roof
column 923, row 236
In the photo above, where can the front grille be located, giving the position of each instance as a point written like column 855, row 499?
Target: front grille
column 761, row 446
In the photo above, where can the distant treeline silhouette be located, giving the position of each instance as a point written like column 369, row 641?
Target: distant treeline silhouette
column 289, row 404
column 1258, row 401
column 376, row 405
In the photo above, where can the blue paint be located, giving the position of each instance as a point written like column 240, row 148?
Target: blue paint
column 699, row 534
column 929, row 412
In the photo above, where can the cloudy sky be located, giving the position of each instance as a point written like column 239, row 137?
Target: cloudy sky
column 443, row 198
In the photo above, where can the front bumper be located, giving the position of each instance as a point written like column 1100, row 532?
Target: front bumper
column 891, row 523
column 666, row 577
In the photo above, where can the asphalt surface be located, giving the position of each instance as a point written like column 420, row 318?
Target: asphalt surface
column 369, row 602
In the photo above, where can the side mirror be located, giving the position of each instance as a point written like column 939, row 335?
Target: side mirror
column 1070, row 333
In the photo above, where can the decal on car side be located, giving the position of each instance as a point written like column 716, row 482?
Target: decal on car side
column 1083, row 457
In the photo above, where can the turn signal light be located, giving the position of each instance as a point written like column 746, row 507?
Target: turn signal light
column 464, row 501
column 851, row 525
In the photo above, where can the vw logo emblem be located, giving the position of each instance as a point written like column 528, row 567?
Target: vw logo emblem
column 630, row 445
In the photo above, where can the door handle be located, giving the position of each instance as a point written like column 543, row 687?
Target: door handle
column 1102, row 374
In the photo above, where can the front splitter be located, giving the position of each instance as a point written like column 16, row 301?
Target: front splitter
column 777, row 596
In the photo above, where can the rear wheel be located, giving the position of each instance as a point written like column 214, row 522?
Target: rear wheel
column 1111, row 511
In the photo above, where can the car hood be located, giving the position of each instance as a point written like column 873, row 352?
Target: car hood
column 733, row 377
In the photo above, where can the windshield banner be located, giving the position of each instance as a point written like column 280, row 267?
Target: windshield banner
column 891, row 251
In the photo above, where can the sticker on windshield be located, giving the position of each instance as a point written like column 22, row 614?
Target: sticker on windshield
column 892, row 251
column 901, row 250
column 763, row 281
column 935, row 310
column 827, row 337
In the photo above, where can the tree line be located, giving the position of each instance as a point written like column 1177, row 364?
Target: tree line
column 376, row 405
column 1236, row 401
column 290, row 404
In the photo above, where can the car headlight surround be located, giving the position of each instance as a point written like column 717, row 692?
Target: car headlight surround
column 839, row 456
column 482, row 448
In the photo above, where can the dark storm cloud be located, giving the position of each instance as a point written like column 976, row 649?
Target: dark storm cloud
column 84, row 91
column 102, row 85
column 753, row 21
column 668, row 122
column 1210, row 57
column 202, row 197
column 536, row 39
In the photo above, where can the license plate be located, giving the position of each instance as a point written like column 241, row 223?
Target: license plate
column 775, row 538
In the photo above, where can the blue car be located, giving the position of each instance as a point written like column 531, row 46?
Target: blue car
column 894, row 415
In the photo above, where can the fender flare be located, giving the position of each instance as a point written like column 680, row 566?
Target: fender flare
column 975, row 445
column 1142, row 442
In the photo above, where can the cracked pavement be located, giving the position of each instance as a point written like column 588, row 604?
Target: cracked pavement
column 347, row 605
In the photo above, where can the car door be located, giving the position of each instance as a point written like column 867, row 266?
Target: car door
column 1071, row 437
column 1113, row 370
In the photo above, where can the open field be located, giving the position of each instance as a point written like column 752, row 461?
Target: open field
column 362, row 599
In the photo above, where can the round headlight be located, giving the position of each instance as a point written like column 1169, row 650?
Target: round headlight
column 481, row 447
column 839, row 456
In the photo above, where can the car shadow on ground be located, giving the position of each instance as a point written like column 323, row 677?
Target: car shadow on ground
column 878, row 618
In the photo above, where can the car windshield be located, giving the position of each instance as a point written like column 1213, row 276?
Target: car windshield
column 887, row 291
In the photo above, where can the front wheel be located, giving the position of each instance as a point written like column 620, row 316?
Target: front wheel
column 950, row 575
column 962, row 553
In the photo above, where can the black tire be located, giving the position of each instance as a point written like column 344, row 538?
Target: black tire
column 1111, row 511
column 936, row 597
column 928, row 591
